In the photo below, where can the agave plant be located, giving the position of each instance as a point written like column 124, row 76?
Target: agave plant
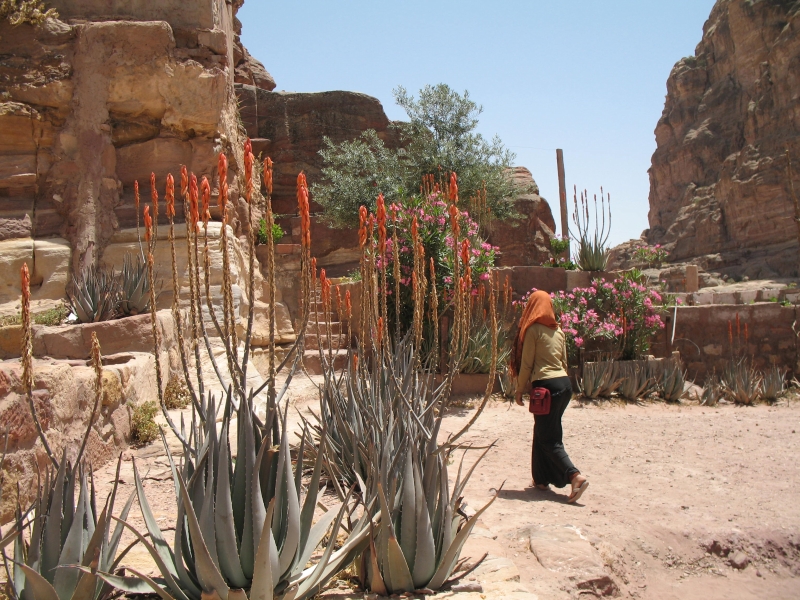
column 673, row 382
column 634, row 380
column 600, row 379
column 712, row 391
column 593, row 251
column 242, row 528
column 741, row 382
column 66, row 543
column 93, row 294
column 773, row 384
column 478, row 354
column 379, row 429
column 134, row 287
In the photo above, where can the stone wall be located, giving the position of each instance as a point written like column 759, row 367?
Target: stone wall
column 701, row 336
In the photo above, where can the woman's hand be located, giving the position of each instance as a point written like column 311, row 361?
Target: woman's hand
column 518, row 399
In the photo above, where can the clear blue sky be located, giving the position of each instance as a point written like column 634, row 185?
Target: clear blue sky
column 588, row 76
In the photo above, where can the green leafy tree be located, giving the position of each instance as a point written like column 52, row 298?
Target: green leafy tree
column 355, row 172
column 438, row 138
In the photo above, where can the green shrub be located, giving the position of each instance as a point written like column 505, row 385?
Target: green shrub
column 144, row 428
column 52, row 316
column 438, row 139
column 277, row 233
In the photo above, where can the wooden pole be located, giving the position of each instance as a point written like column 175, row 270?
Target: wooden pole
column 562, row 196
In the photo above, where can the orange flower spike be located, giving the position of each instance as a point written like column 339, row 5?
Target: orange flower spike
column 303, row 208
column 348, row 305
column 338, row 300
column 184, row 180
column 465, row 252
column 193, row 216
column 453, row 188
column 205, row 192
column 26, row 283
column 268, row 175
column 454, row 221
column 414, row 230
column 170, row 196
column 355, row 362
column 136, row 195
column 148, row 223
column 248, row 169
column 324, row 286
column 222, row 169
column 314, row 267
column 154, row 195
column 362, row 228
column 381, row 225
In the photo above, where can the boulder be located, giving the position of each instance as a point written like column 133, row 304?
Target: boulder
column 48, row 262
column 524, row 241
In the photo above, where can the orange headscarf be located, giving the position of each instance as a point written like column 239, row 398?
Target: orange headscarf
column 539, row 309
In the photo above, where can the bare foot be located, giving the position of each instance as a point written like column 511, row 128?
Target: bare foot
column 579, row 485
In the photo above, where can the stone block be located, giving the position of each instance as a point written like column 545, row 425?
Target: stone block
column 746, row 297
column 284, row 331
column 769, row 295
column 724, row 298
column 215, row 40
column 701, row 299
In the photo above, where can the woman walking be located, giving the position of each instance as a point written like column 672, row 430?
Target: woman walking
column 540, row 356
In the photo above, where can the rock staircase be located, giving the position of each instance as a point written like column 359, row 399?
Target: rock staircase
column 331, row 338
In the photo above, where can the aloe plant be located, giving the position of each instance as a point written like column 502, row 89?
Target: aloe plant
column 593, row 251
column 741, row 382
column 93, row 295
column 673, row 382
column 379, row 429
column 600, row 379
column 134, row 287
column 242, row 527
column 712, row 391
column 634, row 380
column 773, row 384
column 67, row 542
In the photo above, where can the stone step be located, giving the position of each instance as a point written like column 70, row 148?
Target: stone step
column 335, row 327
column 336, row 341
column 311, row 360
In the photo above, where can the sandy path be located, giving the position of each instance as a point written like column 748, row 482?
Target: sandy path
column 666, row 481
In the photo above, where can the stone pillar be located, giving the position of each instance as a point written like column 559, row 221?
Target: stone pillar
column 692, row 279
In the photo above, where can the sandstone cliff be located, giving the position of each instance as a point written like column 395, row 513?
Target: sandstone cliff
column 719, row 191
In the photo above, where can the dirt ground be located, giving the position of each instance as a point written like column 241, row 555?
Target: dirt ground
column 675, row 493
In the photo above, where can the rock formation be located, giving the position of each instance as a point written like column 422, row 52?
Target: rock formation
column 719, row 191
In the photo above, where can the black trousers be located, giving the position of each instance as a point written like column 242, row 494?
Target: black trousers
column 550, row 464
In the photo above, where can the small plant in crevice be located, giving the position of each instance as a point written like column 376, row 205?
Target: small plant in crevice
column 144, row 428
column 176, row 394
column 277, row 233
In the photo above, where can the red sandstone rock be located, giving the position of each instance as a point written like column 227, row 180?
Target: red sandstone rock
column 718, row 178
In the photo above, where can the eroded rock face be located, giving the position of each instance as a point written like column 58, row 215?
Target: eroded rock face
column 718, row 181
column 525, row 241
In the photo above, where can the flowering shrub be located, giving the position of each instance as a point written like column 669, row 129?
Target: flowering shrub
column 652, row 255
column 433, row 225
column 622, row 312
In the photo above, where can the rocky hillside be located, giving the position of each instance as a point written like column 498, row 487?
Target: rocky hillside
column 719, row 191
